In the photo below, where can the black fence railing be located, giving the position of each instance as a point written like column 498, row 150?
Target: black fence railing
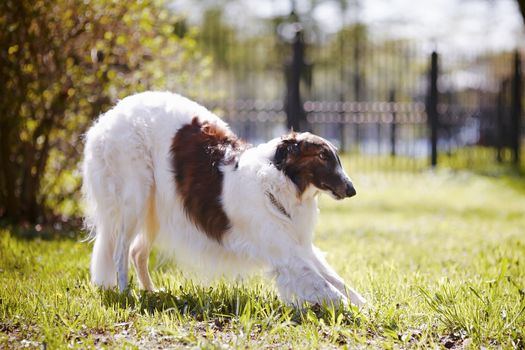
column 394, row 99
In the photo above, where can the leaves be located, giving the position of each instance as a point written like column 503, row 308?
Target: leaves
column 65, row 62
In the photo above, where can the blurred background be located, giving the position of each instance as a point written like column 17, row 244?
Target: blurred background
column 397, row 85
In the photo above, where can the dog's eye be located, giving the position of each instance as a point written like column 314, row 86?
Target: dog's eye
column 323, row 155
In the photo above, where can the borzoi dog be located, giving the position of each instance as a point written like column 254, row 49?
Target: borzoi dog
column 159, row 168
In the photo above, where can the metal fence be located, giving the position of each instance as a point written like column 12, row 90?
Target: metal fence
column 395, row 99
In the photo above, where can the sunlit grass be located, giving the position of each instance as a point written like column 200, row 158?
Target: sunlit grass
column 439, row 255
column 479, row 159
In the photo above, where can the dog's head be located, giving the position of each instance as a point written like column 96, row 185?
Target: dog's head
column 311, row 160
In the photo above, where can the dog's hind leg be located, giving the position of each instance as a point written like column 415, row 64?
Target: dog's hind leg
column 128, row 222
column 140, row 250
column 121, row 257
column 103, row 271
column 110, row 259
column 141, row 246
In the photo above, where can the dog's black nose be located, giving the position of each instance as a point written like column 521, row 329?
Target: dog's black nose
column 350, row 190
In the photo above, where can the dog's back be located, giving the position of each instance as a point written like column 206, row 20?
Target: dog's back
column 126, row 154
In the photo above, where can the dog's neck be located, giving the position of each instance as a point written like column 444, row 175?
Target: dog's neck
column 280, row 186
column 297, row 213
column 278, row 205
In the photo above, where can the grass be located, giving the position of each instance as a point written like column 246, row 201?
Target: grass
column 440, row 257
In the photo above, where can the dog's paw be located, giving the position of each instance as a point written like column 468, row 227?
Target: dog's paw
column 357, row 299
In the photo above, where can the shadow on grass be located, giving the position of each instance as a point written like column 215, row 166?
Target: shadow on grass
column 225, row 302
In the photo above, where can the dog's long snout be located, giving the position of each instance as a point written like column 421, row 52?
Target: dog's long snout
column 350, row 189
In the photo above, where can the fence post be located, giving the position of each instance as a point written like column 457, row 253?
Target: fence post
column 293, row 106
column 499, row 126
column 342, row 127
column 500, row 117
column 393, row 126
column 432, row 102
column 342, row 81
column 516, row 109
column 357, row 85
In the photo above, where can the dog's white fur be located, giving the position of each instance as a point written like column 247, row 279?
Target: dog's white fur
column 132, row 203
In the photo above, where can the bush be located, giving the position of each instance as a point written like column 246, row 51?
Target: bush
column 64, row 62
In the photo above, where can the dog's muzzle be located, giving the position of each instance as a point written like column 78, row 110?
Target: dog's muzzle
column 344, row 189
column 350, row 190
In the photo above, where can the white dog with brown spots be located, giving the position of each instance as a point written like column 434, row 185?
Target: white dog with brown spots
column 162, row 170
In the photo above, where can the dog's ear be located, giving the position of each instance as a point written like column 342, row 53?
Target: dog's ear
column 280, row 155
column 287, row 146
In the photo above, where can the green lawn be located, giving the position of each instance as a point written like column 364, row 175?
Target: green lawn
column 440, row 257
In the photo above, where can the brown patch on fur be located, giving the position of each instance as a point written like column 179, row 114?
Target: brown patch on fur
column 198, row 150
column 141, row 247
column 306, row 160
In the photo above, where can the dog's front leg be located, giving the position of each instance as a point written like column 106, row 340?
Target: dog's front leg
column 299, row 280
column 331, row 276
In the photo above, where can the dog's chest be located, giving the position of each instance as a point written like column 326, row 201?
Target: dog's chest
column 304, row 217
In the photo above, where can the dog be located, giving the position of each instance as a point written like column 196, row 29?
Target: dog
column 161, row 169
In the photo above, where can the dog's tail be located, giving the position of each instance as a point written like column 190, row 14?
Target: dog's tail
column 100, row 213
